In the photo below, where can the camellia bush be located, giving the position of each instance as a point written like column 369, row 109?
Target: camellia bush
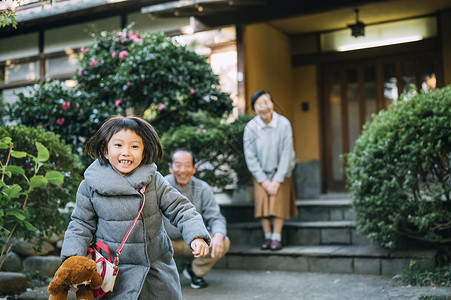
column 399, row 172
column 43, row 203
column 161, row 80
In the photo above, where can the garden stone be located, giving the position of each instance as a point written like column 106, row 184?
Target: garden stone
column 12, row 263
column 43, row 265
column 52, row 239
column 11, row 282
column 28, row 248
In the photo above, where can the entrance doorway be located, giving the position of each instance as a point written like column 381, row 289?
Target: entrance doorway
column 354, row 91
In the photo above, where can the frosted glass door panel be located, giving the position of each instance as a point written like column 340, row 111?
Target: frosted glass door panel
column 370, row 93
column 336, row 119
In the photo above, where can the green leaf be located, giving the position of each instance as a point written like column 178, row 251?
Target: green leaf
column 3, row 145
column 16, row 213
column 29, row 226
column 16, row 170
column 4, row 231
column 37, row 181
column 13, row 191
column 54, row 177
column 18, row 154
column 43, row 153
column 6, row 140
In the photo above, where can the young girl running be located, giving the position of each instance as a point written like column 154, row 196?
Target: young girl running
column 108, row 200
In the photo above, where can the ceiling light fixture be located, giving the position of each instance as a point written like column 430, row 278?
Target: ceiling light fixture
column 357, row 29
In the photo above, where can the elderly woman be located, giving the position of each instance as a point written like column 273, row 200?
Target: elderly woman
column 269, row 153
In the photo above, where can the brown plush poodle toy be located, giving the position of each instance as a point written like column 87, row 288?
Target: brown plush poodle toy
column 77, row 272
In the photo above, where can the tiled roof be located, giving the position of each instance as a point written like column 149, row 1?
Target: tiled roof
column 57, row 8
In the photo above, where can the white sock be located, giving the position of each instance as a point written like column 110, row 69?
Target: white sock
column 276, row 236
column 267, row 236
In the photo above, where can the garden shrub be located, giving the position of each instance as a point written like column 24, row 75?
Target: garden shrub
column 399, row 173
column 218, row 147
column 161, row 80
column 43, row 204
column 71, row 113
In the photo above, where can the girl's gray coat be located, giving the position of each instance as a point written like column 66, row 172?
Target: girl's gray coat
column 106, row 206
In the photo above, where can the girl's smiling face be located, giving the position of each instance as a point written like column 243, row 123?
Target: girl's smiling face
column 125, row 151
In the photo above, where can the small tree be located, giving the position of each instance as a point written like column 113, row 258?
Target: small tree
column 14, row 213
column 23, row 200
column 399, row 172
column 161, row 80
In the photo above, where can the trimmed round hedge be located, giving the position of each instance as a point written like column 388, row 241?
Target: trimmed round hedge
column 399, row 172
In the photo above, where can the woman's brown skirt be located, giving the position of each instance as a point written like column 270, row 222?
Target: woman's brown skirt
column 283, row 205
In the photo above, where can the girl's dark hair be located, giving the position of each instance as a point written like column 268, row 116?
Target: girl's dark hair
column 257, row 95
column 182, row 149
column 98, row 143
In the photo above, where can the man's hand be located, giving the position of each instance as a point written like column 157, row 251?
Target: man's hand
column 217, row 246
column 200, row 248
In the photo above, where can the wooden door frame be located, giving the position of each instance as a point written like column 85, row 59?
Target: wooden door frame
column 398, row 54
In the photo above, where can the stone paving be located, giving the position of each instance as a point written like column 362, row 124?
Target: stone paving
column 238, row 284
column 243, row 285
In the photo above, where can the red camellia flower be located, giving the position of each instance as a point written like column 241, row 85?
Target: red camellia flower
column 118, row 102
column 83, row 50
column 66, row 105
column 77, row 106
column 80, row 72
column 192, row 91
column 93, row 62
column 123, row 54
column 60, row 121
column 113, row 54
column 161, row 106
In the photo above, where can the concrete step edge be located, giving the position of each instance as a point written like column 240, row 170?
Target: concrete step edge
column 296, row 224
column 347, row 203
column 336, row 251
column 324, row 202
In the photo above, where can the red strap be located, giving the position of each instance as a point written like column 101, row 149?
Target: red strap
column 119, row 250
column 90, row 250
column 104, row 247
column 102, row 259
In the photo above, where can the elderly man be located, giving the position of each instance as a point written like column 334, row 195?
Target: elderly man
column 182, row 168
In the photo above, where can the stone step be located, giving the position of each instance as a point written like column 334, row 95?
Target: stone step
column 367, row 259
column 324, row 210
column 300, row 233
column 327, row 209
